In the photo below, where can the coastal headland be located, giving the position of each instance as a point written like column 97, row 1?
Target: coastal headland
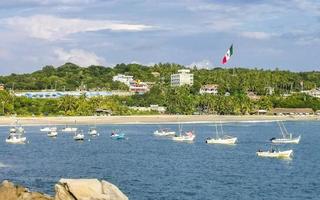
column 149, row 119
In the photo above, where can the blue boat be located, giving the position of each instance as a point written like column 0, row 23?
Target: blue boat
column 117, row 136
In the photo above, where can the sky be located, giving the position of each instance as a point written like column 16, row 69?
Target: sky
column 267, row 34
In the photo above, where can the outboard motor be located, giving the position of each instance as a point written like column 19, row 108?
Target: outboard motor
column 272, row 138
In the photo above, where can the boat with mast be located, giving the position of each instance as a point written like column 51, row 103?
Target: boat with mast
column 225, row 139
column 188, row 136
column 69, row 129
column 287, row 137
column 93, row 130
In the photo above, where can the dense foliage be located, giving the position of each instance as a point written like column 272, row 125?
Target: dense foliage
column 179, row 100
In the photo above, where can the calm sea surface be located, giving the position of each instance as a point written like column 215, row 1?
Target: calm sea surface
column 147, row 167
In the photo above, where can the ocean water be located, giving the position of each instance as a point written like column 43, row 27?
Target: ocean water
column 148, row 167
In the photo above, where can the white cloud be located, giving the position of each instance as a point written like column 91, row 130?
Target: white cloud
column 225, row 24
column 205, row 64
column 53, row 28
column 256, row 35
column 78, row 56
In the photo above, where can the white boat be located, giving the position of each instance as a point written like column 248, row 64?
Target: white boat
column 16, row 138
column 78, row 136
column 69, row 129
column 93, row 132
column 221, row 140
column 275, row 154
column 48, row 129
column 164, row 132
column 52, row 133
column 188, row 136
column 287, row 137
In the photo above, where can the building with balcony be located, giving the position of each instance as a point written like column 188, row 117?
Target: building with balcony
column 183, row 77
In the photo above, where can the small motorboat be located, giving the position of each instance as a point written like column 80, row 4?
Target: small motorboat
column 187, row 137
column 16, row 139
column 16, row 135
column 275, row 154
column 48, row 129
column 164, row 132
column 52, row 133
column 78, row 136
column 117, row 136
column 93, row 132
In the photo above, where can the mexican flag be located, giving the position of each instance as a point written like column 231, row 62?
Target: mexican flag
column 227, row 56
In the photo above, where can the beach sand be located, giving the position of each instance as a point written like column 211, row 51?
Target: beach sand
column 148, row 119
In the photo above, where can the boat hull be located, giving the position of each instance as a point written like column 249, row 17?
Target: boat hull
column 52, row 134
column 286, row 140
column 229, row 141
column 184, row 138
column 164, row 133
column 118, row 136
column 69, row 130
column 16, row 140
column 276, row 154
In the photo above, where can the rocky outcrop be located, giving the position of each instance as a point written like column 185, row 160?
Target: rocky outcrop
column 87, row 189
column 66, row 189
column 9, row 191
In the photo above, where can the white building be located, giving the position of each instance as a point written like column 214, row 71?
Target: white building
column 123, row 79
column 209, row 89
column 182, row 78
column 314, row 92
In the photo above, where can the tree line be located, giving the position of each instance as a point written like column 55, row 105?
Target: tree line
column 178, row 100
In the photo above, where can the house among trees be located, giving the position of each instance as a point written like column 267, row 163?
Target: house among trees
column 209, row 89
column 1, row 86
column 313, row 92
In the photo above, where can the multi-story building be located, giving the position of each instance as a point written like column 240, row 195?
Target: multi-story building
column 209, row 89
column 182, row 78
column 123, row 79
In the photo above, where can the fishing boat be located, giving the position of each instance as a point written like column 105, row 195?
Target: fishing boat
column 16, row 136
column 164, row 132
column 78, row 136
column 188, row 136
column 287, row 137
column 275, row 154
column 93, row 131
column 225, row 139
column 52, row 133
column 117, row 136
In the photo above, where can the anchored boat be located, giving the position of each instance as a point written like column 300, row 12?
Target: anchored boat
column 275, row 154
column 287, row 137
column 164, row 132
column 188, row 136
column 225, row 139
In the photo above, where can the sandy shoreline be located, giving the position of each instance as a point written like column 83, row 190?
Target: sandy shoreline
column 148, row 119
